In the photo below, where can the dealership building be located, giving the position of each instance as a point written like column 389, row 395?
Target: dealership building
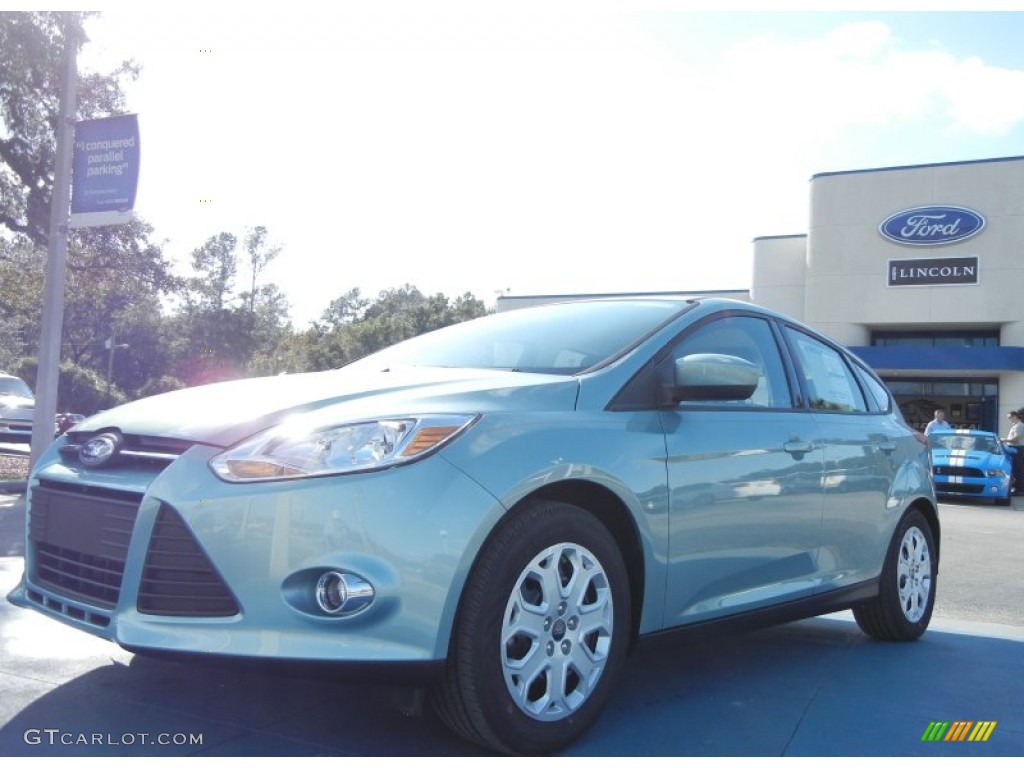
column 917, row 269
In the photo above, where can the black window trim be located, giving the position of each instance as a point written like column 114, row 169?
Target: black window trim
column 847, row 360
column 649, row 400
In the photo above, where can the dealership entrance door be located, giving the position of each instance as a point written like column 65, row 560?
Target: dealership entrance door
column 968, row 403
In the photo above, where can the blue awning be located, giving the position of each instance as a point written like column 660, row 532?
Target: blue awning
column 921, row 358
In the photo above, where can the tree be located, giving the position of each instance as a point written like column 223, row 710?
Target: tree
column 260, row 254
column 80, row 390
column 115, row 278
column 216, row 263
column 21, row 295
column 353, row 326
column 32, row 46
column 217, row 335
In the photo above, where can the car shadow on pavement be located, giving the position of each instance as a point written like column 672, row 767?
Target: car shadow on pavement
column 816, row 687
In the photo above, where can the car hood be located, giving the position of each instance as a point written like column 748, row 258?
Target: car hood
column 222, row 414
column 966, row 457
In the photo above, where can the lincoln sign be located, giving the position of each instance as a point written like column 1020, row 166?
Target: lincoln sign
column 958, row 271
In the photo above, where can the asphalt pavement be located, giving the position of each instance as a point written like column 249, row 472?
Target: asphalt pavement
column 811, row 688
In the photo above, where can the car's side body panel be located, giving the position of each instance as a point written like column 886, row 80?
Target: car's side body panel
column 746, row 512
column 725, row 464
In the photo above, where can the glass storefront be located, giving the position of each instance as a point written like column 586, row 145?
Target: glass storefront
column 968, row 403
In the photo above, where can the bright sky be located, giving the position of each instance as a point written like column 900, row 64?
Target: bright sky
column 537, row 147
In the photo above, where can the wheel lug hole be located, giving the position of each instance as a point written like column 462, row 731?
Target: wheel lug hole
column 551, row 648
column 572, row 623
column 547, row 624
column 562, row 608
column 566, row 647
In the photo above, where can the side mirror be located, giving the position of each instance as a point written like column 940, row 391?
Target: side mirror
column 713, row 377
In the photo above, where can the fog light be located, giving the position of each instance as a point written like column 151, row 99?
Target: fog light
column 342, row 593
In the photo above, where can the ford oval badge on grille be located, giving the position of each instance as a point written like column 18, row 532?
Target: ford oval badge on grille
column 932, row 225
column 100, row 449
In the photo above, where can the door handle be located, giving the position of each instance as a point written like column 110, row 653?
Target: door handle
column 886, row 446
column 798, row 447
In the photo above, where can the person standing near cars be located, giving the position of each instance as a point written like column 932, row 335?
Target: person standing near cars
column 1015, row 439
column 938, row 423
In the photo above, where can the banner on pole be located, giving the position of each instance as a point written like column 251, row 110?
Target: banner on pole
column 105, row 171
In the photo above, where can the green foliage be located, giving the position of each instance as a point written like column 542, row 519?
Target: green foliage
column 217, row 336
column 259, row 253
column 114, row 279
column 160, row 385
column 80, row 390
column 216, row 264
column 353, row 327
column 21, row 296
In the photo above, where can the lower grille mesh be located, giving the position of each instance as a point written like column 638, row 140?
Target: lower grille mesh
column 80, row 536
column 958, row 488
column 178, row 579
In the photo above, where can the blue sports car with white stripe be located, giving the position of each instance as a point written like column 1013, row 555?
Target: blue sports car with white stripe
column 972, row 464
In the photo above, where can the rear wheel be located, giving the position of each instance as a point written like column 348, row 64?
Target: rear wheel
column 906, row 593
column 541, row 631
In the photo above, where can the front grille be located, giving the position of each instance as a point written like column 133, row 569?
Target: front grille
column 958, row 472
column 79, row 536
column 958, row 488
column 136, row 450
column 178, row 579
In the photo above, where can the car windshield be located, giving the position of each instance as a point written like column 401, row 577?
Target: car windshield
column 9, row 385
column 948, row 441
column 555, row 338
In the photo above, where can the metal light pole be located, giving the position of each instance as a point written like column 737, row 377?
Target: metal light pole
column 48, row 370
column 112, row 346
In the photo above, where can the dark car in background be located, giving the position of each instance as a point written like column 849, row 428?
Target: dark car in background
column 66, row 421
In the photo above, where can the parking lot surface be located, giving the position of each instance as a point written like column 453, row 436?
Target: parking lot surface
column 812, row 688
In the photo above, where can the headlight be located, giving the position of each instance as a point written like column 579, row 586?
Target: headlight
column 996, row 473
column 286, row 452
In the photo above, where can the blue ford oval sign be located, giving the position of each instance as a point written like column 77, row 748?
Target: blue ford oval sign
column 932, row 225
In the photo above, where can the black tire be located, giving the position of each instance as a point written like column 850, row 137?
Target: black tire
column 906, row 592
column 552, row 581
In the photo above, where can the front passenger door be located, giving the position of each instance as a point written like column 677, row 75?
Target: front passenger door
column 744, row 482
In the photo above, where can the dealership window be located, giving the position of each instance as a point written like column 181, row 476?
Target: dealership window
column 969, row 403
column 935, row 339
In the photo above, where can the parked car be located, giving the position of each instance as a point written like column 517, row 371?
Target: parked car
column 499, row 509
column 971, row 463
column 17, row 404
column 66, row 421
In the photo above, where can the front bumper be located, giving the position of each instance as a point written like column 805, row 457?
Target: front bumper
column 969, row 483
column 12, row 431
column 178, row 561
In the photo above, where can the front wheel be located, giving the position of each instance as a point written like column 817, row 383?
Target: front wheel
column 542, row 628
column 906, row 593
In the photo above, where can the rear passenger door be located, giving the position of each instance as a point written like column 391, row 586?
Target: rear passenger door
column 862, row 450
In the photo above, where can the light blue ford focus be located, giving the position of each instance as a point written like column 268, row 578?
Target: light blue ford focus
column 498, row 510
